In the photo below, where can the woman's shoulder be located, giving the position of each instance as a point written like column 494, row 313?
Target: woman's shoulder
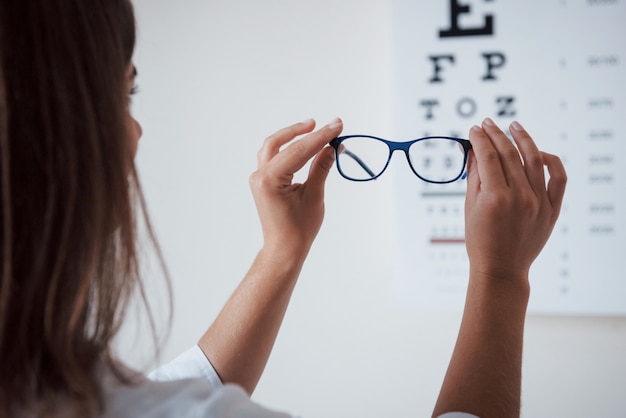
column 180, row 398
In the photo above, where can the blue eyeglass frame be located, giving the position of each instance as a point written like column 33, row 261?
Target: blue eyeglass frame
column 394, row 146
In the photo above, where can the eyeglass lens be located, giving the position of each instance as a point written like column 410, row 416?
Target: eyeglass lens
column 435, row 159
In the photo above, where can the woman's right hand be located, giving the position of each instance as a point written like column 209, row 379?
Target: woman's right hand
column 509, row 215
column 509, row 210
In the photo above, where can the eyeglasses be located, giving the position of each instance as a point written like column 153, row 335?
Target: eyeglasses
column 435, row 159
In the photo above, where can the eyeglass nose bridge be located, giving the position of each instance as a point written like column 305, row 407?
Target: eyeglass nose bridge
column 404, row 147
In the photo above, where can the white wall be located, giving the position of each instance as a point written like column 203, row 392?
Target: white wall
column 215, row 78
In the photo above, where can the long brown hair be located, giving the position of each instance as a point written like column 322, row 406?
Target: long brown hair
column 69, row 192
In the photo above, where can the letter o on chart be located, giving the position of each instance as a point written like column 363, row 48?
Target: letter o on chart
column 466, row 107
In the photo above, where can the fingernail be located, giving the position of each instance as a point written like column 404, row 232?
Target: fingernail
column 477, row 128
column 335, row 123
column 306, row 122
column 517, row 126
column 489, row 122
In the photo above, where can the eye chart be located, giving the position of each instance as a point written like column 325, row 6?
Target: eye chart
column 557, row 66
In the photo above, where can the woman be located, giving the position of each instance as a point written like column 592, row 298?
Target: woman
column 68, row 185
column 70, row 196
column 69, row 199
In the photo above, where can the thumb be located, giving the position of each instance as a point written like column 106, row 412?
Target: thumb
column 320, row 167
column 473, row 178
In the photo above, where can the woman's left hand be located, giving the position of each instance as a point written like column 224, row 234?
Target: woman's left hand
column 291, row 214
column 240, row 340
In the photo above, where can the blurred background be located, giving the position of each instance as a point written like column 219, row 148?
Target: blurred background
column 215, row 78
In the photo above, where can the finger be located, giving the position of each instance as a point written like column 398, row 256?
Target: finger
column 533, row 162
column 509, row 155
column 297, row 154
column 320, row 167
column 473, row 177
column 490, row 172
column 272, row 143
column 557, row 181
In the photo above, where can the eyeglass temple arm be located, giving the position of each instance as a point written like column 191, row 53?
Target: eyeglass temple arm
column 359, row 161
column 466, row 146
